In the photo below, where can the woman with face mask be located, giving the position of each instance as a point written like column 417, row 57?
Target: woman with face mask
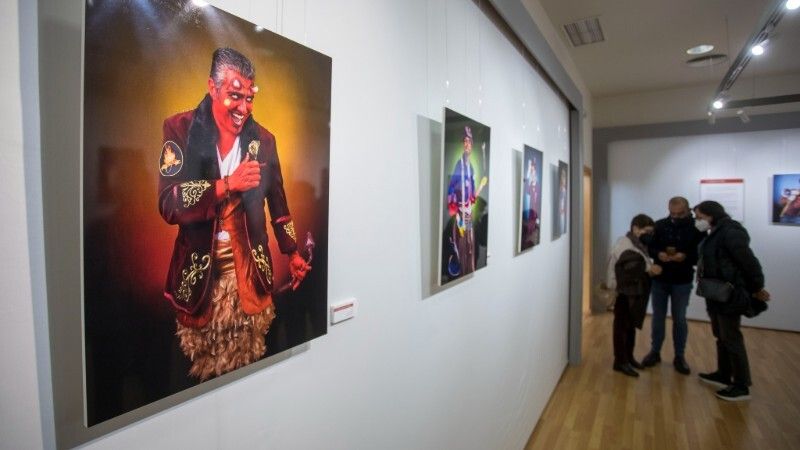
column 629, row 272
column 730, row 278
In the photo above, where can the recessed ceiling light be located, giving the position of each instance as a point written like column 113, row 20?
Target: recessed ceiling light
column 757, row 49
column 792, row 4
column 700, row 49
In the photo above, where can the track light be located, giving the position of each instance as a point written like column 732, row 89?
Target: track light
column 711, row 118
column 718, row 104
column 200, row 3
column 757, row 49
column 743, row 116
column 792, row 4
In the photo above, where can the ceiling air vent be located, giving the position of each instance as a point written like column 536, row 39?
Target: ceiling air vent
column 707, row 60
column 586, row 31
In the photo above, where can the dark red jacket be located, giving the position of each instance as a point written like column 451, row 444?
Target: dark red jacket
column 186, row 197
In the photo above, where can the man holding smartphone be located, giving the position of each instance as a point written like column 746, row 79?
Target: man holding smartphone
column 674, row 247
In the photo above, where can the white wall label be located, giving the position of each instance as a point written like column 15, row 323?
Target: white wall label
column 343, row 310
column 729, row 192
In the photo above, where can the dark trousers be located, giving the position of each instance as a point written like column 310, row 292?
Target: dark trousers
column 624, row 331
column 678, row 296
column 731, row 352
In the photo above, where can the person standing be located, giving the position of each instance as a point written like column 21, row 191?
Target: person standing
column 674, row 246
column 725, row 259
column 629, row 272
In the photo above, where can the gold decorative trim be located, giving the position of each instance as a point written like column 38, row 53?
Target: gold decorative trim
column 262, row 262
column 288, row 227
column 190, row 276
column 192, row 191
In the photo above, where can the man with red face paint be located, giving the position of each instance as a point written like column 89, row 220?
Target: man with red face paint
column 217, row 168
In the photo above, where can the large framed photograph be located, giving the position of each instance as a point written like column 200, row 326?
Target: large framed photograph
column 786, row 199
column 562, row 198
column 465, row 196
column 205, row 198
column 531, row 198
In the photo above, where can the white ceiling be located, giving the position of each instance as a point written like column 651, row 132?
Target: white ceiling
column 646, row 41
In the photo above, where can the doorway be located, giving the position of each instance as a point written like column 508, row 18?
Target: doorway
column 587, row 241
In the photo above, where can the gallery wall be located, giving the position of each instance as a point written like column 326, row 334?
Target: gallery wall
column 471, row 366
column 643, row 174
column 26, row 415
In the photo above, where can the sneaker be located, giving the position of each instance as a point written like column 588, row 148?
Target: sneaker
column 734, row 393
column 681, row 366
column 651, row 359
column 626, row 369
column 715, row 379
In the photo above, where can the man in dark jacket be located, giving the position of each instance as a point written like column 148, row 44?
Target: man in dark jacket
column 218, row 168
column 725, row 256
column 674, row 247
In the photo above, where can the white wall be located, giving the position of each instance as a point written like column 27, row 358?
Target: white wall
column 644, row 174
column 20, row 239
column 470, row 367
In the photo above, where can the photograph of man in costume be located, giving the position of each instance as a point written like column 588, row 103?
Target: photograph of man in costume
column 787, row 207
column 461, row 198
column 562, row 198
column 531, row 199
column 218, row 167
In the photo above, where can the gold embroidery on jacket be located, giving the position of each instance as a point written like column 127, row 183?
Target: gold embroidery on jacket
column 191, row 191
column 190, row 276
column 289, row 229
column 262, row 262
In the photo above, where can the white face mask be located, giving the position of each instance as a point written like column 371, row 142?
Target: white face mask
column 702, row 225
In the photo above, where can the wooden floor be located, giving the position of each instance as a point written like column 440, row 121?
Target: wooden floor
column 596, row 408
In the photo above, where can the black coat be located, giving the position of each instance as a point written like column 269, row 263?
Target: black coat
column 633, row 284
column 684, row 237
column 725, row 254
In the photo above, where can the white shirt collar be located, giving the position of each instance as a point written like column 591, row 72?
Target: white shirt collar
column 232, row 159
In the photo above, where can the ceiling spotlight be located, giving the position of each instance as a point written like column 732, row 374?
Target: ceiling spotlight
column 743, row 116
column 757, row 49
column 711, row 119
column 259, row 28
column 200, row 3
column 718, row 104
column 700, row 49
column 792, row 4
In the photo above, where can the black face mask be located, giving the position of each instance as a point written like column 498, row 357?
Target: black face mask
column 646, row 239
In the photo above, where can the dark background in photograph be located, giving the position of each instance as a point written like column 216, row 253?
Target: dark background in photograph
column 145, row 61
column 786, row 186
column 454, row 124
column 531, row 204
